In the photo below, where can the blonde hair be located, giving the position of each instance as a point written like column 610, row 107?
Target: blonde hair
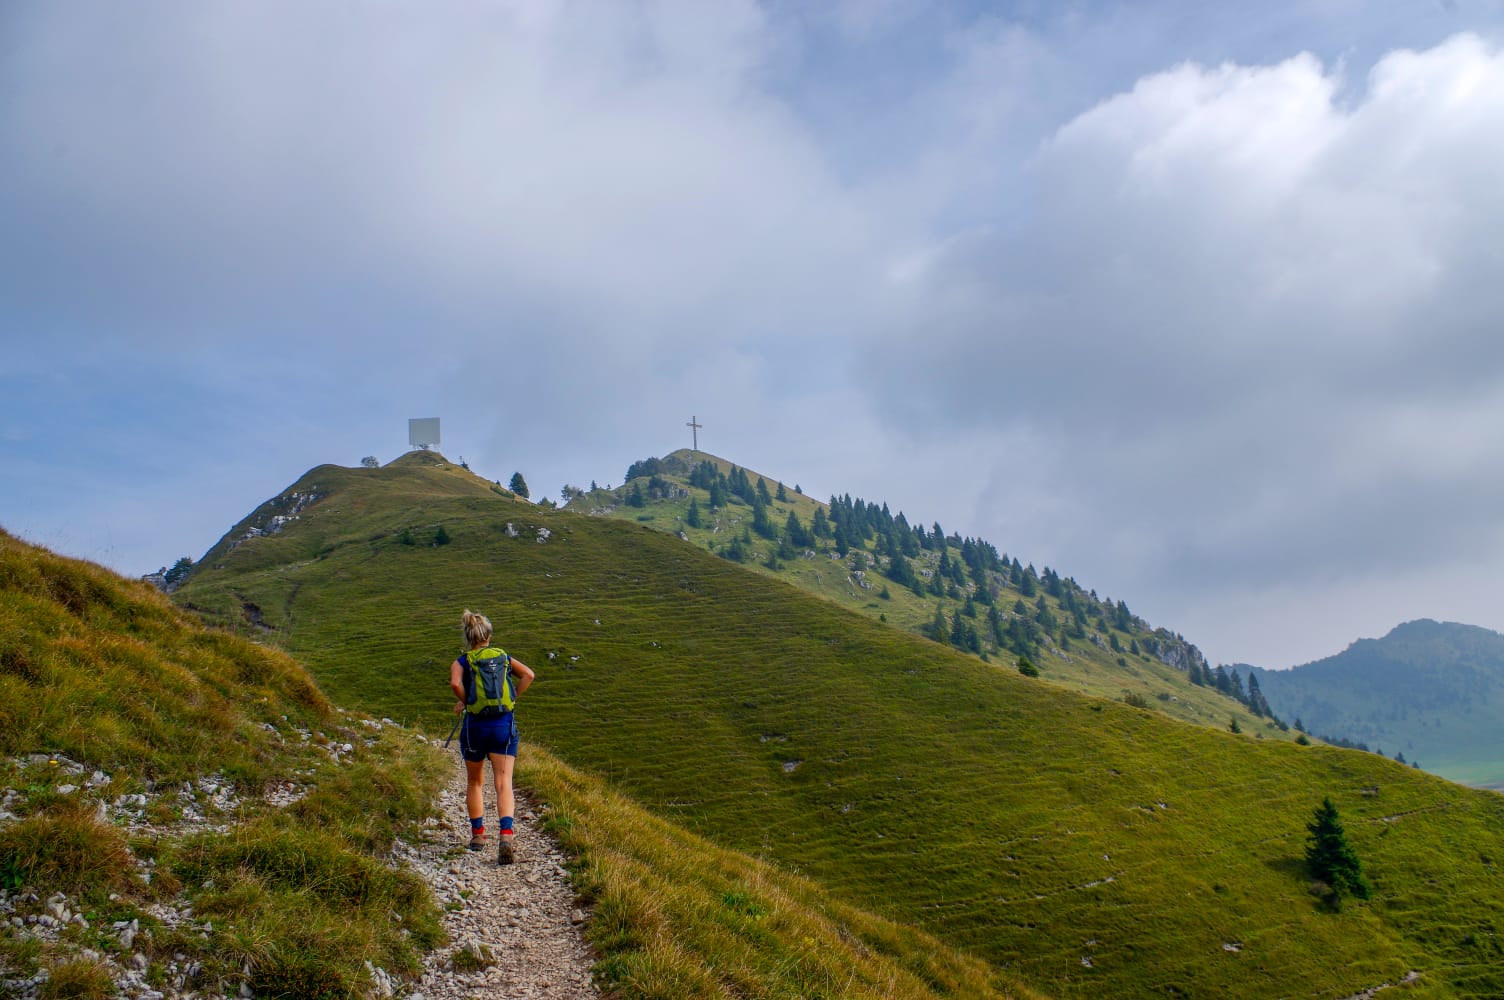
column 477, row 629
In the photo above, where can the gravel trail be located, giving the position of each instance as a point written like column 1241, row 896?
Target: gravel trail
column 521, row 921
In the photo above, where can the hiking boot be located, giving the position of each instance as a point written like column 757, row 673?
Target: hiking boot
column 477, row 841
column 506, row 851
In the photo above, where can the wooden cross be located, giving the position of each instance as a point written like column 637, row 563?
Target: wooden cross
column 695, row 430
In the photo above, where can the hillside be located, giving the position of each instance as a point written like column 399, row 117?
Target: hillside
column 1088, row 846
column 185, row 810
column 1430, row 691
column 959, row 591
column 184, row 813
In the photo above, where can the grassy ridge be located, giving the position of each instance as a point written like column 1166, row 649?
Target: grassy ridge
column 1090, row 665
column 1040, row 830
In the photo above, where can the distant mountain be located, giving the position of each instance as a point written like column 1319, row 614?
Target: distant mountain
column 1432, row 691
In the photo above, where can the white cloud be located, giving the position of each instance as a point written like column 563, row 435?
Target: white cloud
column 1231, row 324
column 1249, row 325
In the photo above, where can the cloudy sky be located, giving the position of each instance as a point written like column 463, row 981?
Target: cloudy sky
column 1199, row 303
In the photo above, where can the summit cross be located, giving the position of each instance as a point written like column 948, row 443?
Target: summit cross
column 694, row 427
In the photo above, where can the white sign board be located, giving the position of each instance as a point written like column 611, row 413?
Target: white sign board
column 422, row 432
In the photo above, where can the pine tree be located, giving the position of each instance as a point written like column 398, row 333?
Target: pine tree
column 938, row 630
column 179, row 570
column 519, row 485
column 782, row 495
column 761, row 523
column 793, row 530
column 692, row 517
column 1329, row 857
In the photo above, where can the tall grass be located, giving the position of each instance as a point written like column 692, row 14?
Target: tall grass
column 105, row 673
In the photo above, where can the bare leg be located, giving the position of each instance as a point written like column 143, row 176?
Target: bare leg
column 501, row 767
column 475, row 783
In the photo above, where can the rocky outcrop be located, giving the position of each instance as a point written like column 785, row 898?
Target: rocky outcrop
column 1173, row 650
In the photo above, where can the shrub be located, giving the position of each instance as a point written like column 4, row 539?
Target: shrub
column 1026, row 668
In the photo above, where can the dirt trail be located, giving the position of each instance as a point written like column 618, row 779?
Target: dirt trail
column 522, row 919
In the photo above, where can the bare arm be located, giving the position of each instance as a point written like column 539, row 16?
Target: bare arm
column 457, row 685
column 524, row 675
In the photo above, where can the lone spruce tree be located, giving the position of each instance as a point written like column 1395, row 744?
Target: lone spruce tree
column 1330, row 858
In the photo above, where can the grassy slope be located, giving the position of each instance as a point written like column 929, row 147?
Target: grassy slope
column 677, row 916
column 108, row 673
column 1081, row 665
column 1021, row 822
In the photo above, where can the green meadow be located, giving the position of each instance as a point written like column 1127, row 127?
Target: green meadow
column 1083, row 845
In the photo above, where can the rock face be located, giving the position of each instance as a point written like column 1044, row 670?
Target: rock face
column 1173, row 651
column 279, row 513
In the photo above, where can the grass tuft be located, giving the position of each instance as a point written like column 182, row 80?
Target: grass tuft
column 78, row 979
column 65, row 848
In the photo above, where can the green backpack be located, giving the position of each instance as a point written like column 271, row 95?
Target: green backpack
column 489, row 691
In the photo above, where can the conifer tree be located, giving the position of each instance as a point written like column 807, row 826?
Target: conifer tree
column 692, row 516
column 1329, row 857
column 519, row 485
column 761, row 523
column 180, row 569
column 793, row 530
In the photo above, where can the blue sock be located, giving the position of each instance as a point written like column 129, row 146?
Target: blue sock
column 506, row 824
column 478, row 824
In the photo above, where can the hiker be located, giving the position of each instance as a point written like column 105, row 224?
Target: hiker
column 488, row 727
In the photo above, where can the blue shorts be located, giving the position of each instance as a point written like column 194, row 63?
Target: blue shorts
column 481, row 736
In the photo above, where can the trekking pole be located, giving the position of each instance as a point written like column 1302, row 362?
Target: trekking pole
column 452, row 730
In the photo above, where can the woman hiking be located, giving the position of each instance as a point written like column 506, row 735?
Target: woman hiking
column 488, row 729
